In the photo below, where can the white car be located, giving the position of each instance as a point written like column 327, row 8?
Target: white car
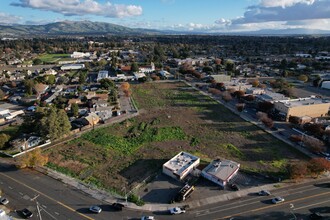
column 147, row 218
column 3, row 201
column 177, row 210
column 277, row 200
column 95, row 209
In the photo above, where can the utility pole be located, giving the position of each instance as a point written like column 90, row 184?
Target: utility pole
column 38, row 209
column 294, row 216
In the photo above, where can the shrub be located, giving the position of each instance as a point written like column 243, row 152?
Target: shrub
column 135, row 199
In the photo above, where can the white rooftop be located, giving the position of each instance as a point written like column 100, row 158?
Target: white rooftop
column 303, row 101
column 221, row 169
column 180, row 162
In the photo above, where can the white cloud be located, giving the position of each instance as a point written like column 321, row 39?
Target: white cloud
column 82, row 7
column 222, row 21
column 317, row 9
column 9, row 19
column 320, row 24
column 284, row 3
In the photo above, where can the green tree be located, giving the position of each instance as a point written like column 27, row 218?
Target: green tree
column 107, row 83
column 29, row 85
column 55, row 123
column 134, row 67
column 75, row 109
column 37, row 61
column 3, row 140
column 229, row 65
column 82, row 77
column 50, row 79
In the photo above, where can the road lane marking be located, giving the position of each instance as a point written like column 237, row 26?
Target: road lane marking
column 48, row 213
column 50, row 198
column 302, row 207
column 10, row 187
column 233, row 206
column 273, row 205
column 21, row 193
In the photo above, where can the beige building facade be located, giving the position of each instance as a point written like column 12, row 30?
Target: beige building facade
column 312, row 107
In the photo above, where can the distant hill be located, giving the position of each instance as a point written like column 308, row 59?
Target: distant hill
column 70, row 27
column 103, row 28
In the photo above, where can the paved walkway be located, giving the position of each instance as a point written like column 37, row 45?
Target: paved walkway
column 111, row 198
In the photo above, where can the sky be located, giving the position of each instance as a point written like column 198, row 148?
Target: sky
column 182, row 15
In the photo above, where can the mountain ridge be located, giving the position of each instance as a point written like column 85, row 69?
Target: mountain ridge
column 104, row 28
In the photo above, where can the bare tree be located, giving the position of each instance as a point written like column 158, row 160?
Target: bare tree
column 226, row 96
column 313, row 144
column 318, row 165
column 298, row 170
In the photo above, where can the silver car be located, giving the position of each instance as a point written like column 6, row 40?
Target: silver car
column 277, row 200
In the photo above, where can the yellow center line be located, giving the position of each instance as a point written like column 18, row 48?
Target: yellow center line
column 48, row 197
column 274, row 205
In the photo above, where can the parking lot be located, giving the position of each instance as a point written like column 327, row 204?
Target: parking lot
column 164, row 188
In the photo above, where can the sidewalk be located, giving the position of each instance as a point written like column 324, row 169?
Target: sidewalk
column 225, row 196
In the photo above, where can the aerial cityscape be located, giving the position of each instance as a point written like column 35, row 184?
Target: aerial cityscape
column 165, row 109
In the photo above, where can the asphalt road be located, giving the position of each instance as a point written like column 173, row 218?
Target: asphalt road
column 57, row 201
column 299, row 202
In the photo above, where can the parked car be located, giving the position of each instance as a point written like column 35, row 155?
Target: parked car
column 264, row 193
column 26, row 213
column 95, row 209
column 117, row 206
column 316, row 215
column 277, row 200
column 177, row 210
column 234, row 187
column 3, row 201
column 147, row 218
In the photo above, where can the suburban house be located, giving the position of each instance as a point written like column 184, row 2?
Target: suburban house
column 147, row 69
column 180, row 165
column 311, row 106
column 26, row 143
column 103, row 74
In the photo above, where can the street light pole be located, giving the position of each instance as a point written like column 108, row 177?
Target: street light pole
column 292, row 207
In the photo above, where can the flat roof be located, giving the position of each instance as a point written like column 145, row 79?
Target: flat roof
column 222, row 169
column 303, row 101
column 180, row 162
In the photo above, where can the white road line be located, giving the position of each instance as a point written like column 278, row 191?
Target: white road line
column 21, row 193
column 246, row 202
column 302, row 207
column 44, row 206
column 56, row 213
column 10, row 187
column 53, row 217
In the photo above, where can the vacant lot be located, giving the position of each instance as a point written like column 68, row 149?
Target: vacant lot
column 174, row 117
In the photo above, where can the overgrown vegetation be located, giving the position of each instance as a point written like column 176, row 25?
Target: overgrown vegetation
column 173, row 118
